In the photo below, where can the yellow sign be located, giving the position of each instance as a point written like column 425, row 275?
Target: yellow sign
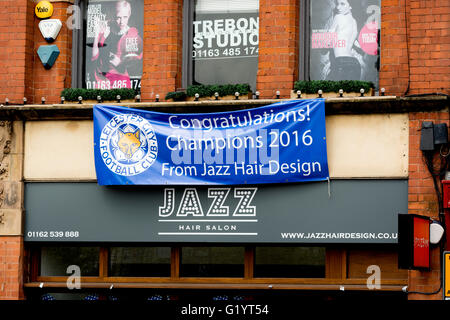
column 43, row 10
column 447, row 275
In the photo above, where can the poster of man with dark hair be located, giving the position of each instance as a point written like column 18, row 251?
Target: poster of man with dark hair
column 345, row 40
column 114, row 46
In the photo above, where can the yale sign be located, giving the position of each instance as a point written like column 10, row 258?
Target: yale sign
column 43, row 10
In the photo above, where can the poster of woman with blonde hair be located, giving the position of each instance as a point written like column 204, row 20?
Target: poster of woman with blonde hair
column 114, row 47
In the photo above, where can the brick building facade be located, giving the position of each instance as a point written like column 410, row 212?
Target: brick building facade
column 414, row 60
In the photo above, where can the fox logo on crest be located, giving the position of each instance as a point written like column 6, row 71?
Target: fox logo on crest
column 128, row 145
column 129, row 142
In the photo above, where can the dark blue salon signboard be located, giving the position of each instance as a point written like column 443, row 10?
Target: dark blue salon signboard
column 342, row 211
column 278, row 143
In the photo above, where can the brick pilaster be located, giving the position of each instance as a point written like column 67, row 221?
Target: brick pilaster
column 429, row 46
column 278, row 47
column 16, row 56
column 415, row 47
column 163, row 41
column 11, row 210
column 50, row 83
column 422, row 200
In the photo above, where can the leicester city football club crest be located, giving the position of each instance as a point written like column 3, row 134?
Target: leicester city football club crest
column 128, row 144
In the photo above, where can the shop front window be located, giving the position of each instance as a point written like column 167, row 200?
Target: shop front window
column 55, row 261
column 223, row 42
column 212, row 262
column 289, row 262
column 139, row 262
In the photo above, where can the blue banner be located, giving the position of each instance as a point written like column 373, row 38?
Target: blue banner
column 278, row 143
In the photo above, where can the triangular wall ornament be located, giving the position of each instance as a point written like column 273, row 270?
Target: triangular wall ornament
column 50, row 29
column 48, row 55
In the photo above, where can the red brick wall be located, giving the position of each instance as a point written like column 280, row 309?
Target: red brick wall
column 422, row 200
column 426, row 25
column 29, row 53
column 163, row 39
column 11, row 268
column 430, row 46
column 15, row 35
column 21, row 71
column 278, row 47
column 394, row 53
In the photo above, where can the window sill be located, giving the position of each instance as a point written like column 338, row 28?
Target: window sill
column 332, row 285
column 352, row 105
